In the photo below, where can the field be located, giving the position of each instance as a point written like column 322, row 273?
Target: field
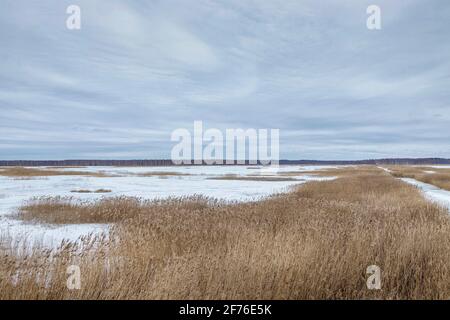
column 314, row 242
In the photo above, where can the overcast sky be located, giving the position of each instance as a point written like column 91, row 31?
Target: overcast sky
column 137, row 70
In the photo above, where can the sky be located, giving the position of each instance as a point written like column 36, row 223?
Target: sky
column 138, row 70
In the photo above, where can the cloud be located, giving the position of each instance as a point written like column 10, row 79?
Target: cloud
column 138, row 70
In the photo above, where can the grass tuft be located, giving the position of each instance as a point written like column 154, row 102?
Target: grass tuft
column 89, row 191
column 34, row 172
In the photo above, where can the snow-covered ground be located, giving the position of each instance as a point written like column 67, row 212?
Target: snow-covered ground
column 433, row 193
column 384, row 169
column 125, row 181
column 442, row 166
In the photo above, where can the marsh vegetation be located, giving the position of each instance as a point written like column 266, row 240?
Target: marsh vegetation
column 313, row 243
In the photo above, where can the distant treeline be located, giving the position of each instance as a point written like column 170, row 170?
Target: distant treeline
column 392, row 161
column 165, row 162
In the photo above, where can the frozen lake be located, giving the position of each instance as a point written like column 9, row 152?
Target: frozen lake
column 126, row 181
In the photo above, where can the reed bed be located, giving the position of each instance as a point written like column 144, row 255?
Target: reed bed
column 313, row 243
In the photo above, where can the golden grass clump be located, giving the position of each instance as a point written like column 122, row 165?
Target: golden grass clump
column 440, row 177
column 334, row 171
column 313, row 243
column 90, row 191
column 39, row 172
column 253, row 178
column 162, row 174
column 68, row 210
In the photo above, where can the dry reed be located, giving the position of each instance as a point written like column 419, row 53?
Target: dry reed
column 313, row 243
column 35, row 172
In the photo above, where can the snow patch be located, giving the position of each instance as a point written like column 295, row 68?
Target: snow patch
column 431, row 192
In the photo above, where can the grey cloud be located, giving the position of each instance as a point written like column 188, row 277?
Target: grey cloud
column 139, row 69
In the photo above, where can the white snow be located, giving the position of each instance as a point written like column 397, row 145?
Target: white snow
column 433, row 193
column 442, row 166
column 48, row 236
column 384, row 169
